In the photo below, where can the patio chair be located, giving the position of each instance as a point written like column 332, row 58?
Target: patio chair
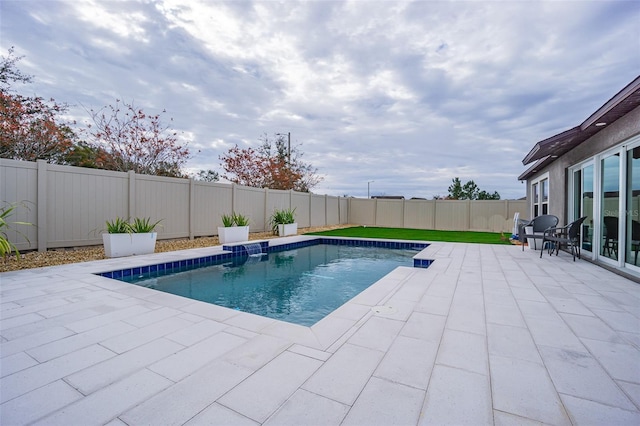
column 569, row 234
column 539, row 224
column 610, row 236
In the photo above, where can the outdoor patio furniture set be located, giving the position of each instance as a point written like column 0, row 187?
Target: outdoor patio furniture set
column 544, row 228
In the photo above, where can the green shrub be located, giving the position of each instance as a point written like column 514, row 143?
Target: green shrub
column 138, row 226
column 227, row 220
column 143, row 225
column 6, row 246
column 240, row 220
column 234, row 219
column 282, row 217
column 118, row 226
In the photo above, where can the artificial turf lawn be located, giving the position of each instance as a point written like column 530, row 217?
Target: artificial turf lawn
column 418, row 234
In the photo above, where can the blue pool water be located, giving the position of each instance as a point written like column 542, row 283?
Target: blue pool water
column 301, row 286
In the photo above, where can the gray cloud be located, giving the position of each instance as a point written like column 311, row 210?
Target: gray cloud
column 409, row 94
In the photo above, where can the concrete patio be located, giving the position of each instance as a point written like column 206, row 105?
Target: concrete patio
column 487, row 335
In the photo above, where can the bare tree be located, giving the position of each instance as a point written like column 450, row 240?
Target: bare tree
column 30, row 127
column 137, row 141
column 271, row 165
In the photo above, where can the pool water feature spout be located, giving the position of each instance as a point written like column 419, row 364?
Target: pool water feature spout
column 253, row 249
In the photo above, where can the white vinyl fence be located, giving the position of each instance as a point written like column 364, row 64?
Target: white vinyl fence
column 453, row 215
column 69, row 206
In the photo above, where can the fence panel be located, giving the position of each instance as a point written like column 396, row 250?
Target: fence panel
column 452, row 215
column 318, row 214
column 344, row 210
column 19, row 184
column 250, row 202
column 390, row 213
column 300, row 202
column 210, row 202
column 485, row 215
column 277, row 199
column 78, row 203
column 333, row 210
column 420, row 214
column 362, row 211
column 165, row 199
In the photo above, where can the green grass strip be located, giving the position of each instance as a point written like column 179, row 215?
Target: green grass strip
column 418, row 234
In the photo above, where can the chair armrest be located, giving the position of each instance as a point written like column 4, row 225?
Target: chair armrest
column 556, row 230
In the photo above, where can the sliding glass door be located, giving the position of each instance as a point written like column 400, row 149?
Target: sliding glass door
column 632, row 224
column 583, row 204
column 610, row 205
column 606, row 189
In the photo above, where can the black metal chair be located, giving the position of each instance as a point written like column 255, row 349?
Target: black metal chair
column 569, row 234
column 539, row 224
column 610, row 236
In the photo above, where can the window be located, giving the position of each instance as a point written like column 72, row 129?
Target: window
column 545, row 196
column 540, row 196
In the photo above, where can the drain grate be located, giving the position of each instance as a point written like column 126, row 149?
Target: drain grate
column 384, row 310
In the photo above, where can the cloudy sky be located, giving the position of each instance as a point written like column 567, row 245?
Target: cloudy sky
column 405, row 94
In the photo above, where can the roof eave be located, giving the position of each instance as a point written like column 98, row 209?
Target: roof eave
column 611, row 103
column 615, row 108
column 538, row 166
column 538, row 151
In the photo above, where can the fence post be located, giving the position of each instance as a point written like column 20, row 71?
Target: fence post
column 266, row 213
column 233, row 198
column 375, row 212
column 132, row 194
column 42, row 205
column 326, row 210
column 349, row 210
column 468, row 215
column 192, row 205
column 435, row 209
column 310, row 206
column 506, row 214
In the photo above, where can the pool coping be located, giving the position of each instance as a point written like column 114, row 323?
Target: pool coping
column 235, row 250
column 326, row 335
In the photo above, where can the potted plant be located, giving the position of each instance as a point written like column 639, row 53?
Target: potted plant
column 283, row 222
column 125, row 238
column 235, row 228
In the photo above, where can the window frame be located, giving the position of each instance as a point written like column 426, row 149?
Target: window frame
column 540, row 205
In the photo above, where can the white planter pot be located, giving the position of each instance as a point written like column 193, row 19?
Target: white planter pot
column 533, row 243
column 118, row 245
column 233, row 234
column 288, row 229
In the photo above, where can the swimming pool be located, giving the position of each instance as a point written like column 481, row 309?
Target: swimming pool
column 299, row 283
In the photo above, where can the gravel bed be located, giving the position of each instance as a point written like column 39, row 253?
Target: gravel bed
column 35, row 259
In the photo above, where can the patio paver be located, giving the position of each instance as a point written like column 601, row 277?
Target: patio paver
column 486, row 335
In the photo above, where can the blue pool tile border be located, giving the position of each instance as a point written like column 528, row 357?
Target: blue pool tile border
column 239, row 250
column 422, row 263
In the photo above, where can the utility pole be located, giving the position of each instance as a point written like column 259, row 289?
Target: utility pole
column 288, row 145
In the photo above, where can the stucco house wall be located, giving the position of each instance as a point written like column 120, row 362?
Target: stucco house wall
column 614, row 134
